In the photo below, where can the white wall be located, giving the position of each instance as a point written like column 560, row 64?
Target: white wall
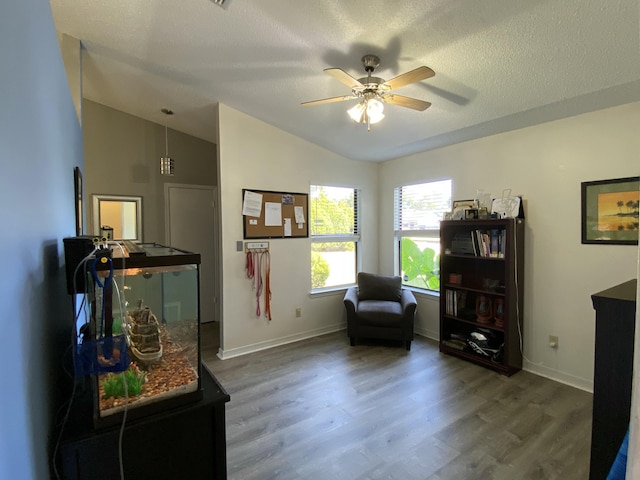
column 255, row 155
column 545, row 164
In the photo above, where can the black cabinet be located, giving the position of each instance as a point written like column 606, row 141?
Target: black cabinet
column 481, row 291
column 613, row 372
column 184, row 442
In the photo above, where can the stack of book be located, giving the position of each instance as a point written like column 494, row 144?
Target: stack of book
column 455, row 301
column 489, row 243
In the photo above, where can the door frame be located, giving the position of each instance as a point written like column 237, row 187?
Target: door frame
column 216, row 238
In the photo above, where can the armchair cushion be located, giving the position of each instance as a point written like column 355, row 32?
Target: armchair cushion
column 380, row 313
column 379, row 287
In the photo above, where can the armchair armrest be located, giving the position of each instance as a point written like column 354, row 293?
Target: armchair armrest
column 408, row 301
column 351, row 301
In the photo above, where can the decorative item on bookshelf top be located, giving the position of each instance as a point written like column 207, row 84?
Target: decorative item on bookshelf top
column 506, row 206
column 460, row 207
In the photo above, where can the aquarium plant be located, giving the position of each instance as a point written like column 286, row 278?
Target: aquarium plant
column 114, row 386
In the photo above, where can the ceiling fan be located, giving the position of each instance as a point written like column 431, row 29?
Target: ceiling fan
column 373, row 92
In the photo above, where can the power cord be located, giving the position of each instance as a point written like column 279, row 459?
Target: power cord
column 515, row 266
column 74, row 338
column 74, row 341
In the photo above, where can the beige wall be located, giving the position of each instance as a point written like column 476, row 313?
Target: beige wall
column 545, row 164
column 256, row 155
column 122, row 157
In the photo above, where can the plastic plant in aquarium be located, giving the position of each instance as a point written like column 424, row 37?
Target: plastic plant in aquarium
column 114, row 386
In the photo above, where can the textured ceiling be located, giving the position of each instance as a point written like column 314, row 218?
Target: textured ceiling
column 499, row 64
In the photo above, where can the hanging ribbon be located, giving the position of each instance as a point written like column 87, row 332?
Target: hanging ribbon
column 248, row 266
column 257, row 280
column 267, row 292
column 253, row 267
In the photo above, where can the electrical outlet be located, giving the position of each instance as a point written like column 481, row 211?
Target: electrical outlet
column 553, row 341
column 298, row 312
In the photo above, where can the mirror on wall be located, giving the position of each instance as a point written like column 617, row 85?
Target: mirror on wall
column 123, row 214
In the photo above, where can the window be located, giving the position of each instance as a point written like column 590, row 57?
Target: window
column 333, row 223
column 418, row 210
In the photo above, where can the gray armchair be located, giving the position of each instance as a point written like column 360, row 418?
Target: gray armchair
column 380, row 308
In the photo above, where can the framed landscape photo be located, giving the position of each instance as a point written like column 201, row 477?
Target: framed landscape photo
column 610, row 211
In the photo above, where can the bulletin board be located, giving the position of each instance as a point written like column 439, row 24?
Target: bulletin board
column 268, row 214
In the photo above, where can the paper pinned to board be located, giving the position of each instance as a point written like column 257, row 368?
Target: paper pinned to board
column 272, row 214
column 252, row 204
column 287, row 227
column 299, row 214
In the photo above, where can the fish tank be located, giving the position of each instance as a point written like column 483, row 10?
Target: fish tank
column 138, row 337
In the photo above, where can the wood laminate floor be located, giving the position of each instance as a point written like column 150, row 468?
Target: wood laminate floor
column 320, row 409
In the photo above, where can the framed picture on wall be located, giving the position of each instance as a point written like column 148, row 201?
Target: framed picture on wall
column 77, row 192
column 610, row 211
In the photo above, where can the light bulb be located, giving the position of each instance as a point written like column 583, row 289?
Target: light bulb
column 374, row 111
column 357, row 112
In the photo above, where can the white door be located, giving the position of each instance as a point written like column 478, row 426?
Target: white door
column 189, row 225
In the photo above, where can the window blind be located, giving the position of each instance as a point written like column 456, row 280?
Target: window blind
column 420, row 207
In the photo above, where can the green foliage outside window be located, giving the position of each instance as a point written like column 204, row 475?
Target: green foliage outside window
column 329, row 216
column 319, row 270
column 421, row 268
column 332, row 217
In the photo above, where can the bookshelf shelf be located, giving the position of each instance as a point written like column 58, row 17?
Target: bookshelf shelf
column 490, row 326
column 481, row 299
column 477, row 290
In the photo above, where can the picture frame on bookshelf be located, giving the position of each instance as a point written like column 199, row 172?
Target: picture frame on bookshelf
column 460, row 208
column 610, row 211
column 471, row 214
column 465, row 203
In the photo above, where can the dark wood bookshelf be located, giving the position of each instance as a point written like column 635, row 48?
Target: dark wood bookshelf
column 490, row 274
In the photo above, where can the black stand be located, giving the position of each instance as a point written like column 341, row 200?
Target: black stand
column 184, row 442
column 615, row 329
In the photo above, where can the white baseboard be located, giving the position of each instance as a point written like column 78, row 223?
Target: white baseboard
column 558, row 376
column 423, row 332
column 540, row 370
column 225, row 354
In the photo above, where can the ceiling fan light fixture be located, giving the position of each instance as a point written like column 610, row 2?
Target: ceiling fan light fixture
column 357, row 112
column 368, row 111
column 374, row 110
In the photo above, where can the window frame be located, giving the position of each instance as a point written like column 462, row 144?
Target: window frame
column 430, row 233
column 355, row 237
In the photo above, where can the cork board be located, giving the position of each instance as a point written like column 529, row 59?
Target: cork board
column 268, row 214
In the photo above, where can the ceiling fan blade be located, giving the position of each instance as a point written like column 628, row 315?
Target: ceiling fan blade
column 407, row 102
column 328, row 100
column 420, row 73
column 343, row 77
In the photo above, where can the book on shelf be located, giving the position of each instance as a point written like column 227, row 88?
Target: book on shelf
column 455, row 301
column 455, row 343
column 488, row 243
